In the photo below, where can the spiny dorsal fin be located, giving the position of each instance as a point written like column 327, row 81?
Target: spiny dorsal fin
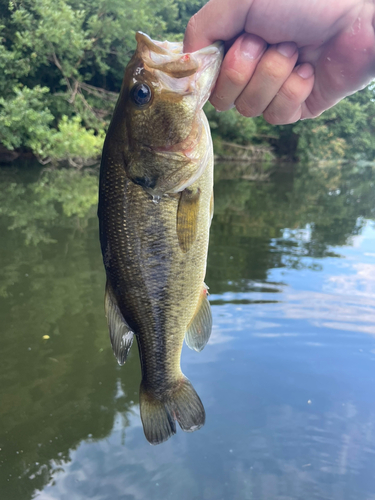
column 199, row 329
column 119, row 332
column 187, row 218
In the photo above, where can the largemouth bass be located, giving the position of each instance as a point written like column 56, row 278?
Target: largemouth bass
column 155, row 210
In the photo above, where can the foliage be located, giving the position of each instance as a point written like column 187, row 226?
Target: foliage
column 231, row 125
column 73, row 142
column 61, row 66
column 25, row 119
column 344, row 131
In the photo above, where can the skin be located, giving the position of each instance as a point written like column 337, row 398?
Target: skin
column 334, row 54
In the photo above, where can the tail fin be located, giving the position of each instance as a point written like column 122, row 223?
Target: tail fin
column 158, row 414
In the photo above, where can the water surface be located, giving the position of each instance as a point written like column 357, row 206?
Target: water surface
column 287, row 379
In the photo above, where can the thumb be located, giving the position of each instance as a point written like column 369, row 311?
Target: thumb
column 217, row 20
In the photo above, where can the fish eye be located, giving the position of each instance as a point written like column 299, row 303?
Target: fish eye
column 141, row 94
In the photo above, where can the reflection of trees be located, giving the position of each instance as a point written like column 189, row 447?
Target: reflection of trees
column 322, row 207
column 54, row 393
column 58, row 392
column 35, row 207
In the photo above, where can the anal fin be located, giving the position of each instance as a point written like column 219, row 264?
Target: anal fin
column 119, row 332
column 199, row 329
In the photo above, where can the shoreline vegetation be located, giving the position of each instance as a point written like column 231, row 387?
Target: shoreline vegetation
column 61, row 68
column 32, row 206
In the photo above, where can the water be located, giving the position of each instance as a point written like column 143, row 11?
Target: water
column 287, row 379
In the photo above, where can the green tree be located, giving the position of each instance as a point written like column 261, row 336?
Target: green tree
column 61, row 67
column 62, row 63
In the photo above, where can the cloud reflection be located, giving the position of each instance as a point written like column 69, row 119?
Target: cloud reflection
column 347, row 304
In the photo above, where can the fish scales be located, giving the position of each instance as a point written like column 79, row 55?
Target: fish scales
column 154, row 219
column 155, row 274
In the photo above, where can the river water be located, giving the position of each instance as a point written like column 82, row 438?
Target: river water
column 287, row 379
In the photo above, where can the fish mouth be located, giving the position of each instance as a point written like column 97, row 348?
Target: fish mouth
column 183, row 73
column 210, row 59
column 186, row 79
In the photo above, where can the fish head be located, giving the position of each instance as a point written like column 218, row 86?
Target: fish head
column 162, row 96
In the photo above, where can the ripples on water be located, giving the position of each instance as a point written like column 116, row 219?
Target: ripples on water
column 287, row 379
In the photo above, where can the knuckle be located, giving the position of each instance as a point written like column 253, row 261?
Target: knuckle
column 291, row 93
column 236, row 78
column 272, row 118
column 277, row 117
column 220, row 103
column 273, row 70
column 246, row 109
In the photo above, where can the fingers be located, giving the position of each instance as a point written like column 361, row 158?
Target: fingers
column 259, row 81
column 288, row 105
column 238, row 67
column 217, row 20
column 272, row 71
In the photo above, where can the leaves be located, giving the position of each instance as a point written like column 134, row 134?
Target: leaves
column 25, row 119
column 62, row 63
column 73, row 143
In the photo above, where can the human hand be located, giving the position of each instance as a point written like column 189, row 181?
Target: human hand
column 333, row 39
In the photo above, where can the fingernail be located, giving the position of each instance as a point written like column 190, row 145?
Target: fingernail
column 287, row 49
column 252, row 46
column 227, row 108
column 305, row 70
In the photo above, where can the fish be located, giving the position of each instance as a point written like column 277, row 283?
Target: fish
column 155, row 210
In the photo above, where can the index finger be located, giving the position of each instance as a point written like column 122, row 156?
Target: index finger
column 217, row 20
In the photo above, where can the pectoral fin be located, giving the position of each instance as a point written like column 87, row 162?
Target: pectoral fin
column 187, row 218
column 199, row 329
column 120, row 334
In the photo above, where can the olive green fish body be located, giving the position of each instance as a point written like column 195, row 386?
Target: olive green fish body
column 154, row 239
column 156, row 283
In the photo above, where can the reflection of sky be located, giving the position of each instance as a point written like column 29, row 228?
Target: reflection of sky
column 357, row 259
column 287, row 382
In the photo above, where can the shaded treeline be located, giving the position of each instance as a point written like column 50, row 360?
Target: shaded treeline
column 61, row 66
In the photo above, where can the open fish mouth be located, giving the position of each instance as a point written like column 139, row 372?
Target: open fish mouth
column 166, row 91
column 179, row 72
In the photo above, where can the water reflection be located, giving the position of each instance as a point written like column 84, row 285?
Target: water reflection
column 286, row 380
